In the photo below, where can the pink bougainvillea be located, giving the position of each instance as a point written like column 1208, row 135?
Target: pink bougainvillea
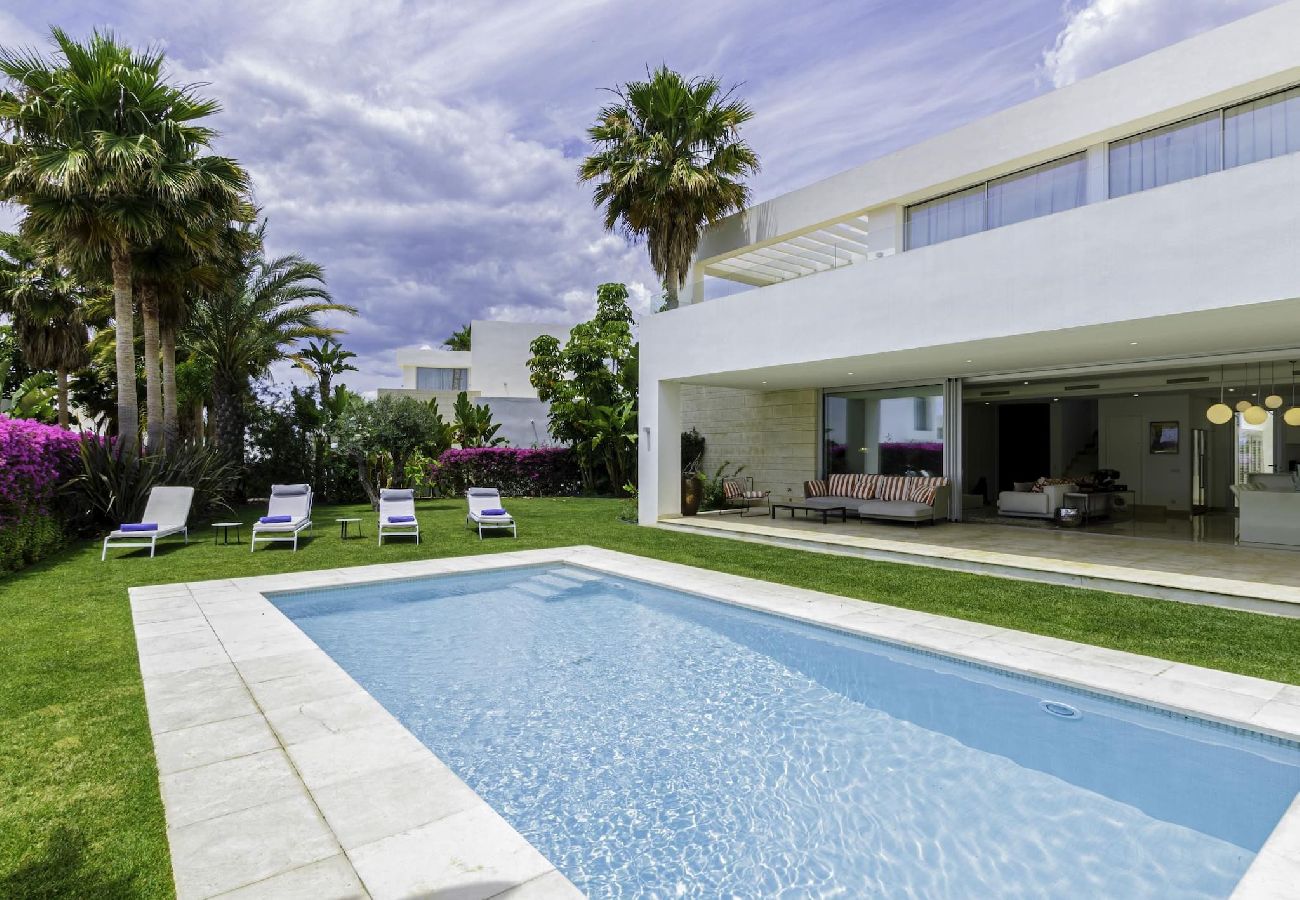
column 34, row 460
column 515, row 471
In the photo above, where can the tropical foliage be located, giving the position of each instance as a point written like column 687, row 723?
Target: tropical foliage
column 459, row 339
column 44, row 301
column 473, row 425
column 252, row 321
column 668, row 161
column 104, row 153
column 323, row 361
column 591, row 384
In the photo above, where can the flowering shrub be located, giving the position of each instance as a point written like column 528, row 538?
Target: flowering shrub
column 515, row 471
column 34, row 460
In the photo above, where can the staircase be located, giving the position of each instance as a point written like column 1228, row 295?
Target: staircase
column 1084, row 461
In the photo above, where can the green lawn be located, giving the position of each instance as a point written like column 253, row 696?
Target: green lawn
column 79, row 808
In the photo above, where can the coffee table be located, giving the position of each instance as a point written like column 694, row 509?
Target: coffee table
column 843, row 511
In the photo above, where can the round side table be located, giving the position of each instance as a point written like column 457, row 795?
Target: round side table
column 223, row 528
column 343, row 527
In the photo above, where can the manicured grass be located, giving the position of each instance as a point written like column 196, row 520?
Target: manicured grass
column 80, row 813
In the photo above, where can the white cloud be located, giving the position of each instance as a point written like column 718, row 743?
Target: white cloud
column 1100, row 34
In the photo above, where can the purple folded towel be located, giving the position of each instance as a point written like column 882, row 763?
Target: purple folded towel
column 493, row 512
column 397, row 520
column 275, row 520
column 139, row 526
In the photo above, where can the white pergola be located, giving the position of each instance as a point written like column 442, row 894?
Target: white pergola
column 828, row 246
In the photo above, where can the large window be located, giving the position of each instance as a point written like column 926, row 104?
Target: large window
column 1052, row 187
column 441, row 379
column 1040, row 191
column 893, row 432
column 953, row 216
column 1165, row 155
column 1261, row 129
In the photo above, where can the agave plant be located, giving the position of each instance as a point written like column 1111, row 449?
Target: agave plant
column 114, row 485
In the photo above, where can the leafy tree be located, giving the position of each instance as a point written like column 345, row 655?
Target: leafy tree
column 34, row 398
column 669, row 161
column 473, row 426
column 591, row 385
column 459, row 339
column 323, row 361
column 45, row 301
column 253, row 320
column 98, row 148
column 384, row 435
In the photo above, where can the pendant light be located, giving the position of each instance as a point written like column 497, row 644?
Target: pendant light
column 1256, row 414
column 1292, row 415
column 1221, row 413
column 1244, row 403
column 1273, row 400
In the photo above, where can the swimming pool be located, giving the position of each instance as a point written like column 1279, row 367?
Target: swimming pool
column 654, row 743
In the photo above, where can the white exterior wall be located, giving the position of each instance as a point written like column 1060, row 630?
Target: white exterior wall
column 1204, row 266
column 500, row 355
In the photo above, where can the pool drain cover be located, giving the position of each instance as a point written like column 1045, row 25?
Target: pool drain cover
column 1061, row 710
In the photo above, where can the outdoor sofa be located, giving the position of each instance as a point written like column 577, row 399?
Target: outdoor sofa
column 900, row 498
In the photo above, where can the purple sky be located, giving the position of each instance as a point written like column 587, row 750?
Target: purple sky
column 425, row 152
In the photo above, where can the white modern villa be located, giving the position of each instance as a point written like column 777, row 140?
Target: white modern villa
column 494, row 371
column 1070, row 285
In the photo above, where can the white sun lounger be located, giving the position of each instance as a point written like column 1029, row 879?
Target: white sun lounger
column 397, row 503
column 481, row 499
column 168, row 508
column 292, row 500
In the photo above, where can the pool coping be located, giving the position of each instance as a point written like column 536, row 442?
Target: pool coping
column 279, row 773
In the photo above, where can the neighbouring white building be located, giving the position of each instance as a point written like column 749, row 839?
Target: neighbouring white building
column 493, row 371
column 1066, row 285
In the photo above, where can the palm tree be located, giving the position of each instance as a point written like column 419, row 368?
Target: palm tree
column 669, row 161
column 252, row 322
column 97, row 146
column 45, row 303
column 323, row 361
column 459, row 339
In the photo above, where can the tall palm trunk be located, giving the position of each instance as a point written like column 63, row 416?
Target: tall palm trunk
column 228, row 413
column 65, row 420
column 670, row 291
column 128, row 408
column 153, row 400
column 171, row 414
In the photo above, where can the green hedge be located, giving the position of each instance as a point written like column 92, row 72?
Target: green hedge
column 29, row 538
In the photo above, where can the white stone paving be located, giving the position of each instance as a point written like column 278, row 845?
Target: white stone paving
column 281, row 777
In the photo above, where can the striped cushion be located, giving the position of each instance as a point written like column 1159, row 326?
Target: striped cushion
column 814, row 488
column 923, row 489
column 865, row 489
column 840, row 485
column 732, row 489
column 756, row 495
column 892, row 487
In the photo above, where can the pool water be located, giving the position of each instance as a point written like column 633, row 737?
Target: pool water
column 654, row 744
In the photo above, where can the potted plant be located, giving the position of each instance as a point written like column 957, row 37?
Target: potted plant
column 692, row 481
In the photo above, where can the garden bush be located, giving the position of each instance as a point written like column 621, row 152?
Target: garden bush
column 35, row 460
column 515, row 471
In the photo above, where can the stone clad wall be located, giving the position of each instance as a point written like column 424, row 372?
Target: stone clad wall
column 773, row 434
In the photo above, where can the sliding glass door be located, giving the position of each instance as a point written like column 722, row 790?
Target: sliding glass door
column 891, row 432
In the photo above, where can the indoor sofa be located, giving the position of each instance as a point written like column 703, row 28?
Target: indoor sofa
column 901, row 498
column 1035, row 499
